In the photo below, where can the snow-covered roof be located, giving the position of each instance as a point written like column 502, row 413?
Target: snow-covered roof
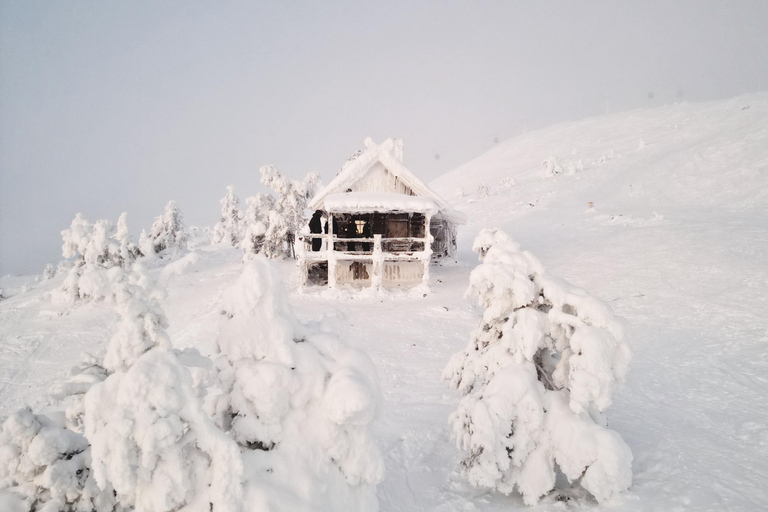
column 389, row 153
column 366, row 202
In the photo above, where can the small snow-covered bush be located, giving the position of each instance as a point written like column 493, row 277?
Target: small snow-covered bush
column 167, row 231
column 229, row 228
column 551, row 168
column 507, row 182
column 297, row 399
column 538, row 373
column 46, row 467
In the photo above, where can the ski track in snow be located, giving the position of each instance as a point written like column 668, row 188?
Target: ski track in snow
column 677, row 245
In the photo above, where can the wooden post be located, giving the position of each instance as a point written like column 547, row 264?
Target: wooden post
column 378, row 263
column 331, row 254
column 427, row 255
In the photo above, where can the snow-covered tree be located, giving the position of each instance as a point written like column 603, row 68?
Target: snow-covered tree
column 537, row 375
column 168, row 230
column 127, row 250
column 150, row 438
column 153, row 443
column 229, row 228
column 296, row 398
column 49, row 272
column 483, row 191
column 95, row 250
column 256, row 221
column 290, row 209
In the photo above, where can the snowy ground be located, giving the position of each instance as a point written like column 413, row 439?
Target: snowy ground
column 677, row 244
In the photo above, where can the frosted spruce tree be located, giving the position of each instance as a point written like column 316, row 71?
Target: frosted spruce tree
column 256, row 221
column 289, row 214
column 296, row 399
column 167, row 231
column 536, row 376
column 229, row 229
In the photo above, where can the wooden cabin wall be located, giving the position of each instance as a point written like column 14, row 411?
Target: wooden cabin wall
column 379, row 179
column 394, row 273
column 405, row 272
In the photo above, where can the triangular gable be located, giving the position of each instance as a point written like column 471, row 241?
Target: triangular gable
column 355, row 170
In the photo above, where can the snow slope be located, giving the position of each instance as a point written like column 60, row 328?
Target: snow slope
column 677, row 244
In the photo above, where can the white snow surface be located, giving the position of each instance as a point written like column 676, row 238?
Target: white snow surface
column 379, row 202
column 675, row 240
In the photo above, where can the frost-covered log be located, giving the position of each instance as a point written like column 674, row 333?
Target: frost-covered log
column 297, row 399
column 229, row 229
column 538, row 373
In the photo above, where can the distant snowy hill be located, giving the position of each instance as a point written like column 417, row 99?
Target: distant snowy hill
column 675, row 241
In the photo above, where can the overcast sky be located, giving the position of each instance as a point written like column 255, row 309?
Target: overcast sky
column 108, row 107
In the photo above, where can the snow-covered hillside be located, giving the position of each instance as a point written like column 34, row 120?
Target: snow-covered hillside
column 676, row 241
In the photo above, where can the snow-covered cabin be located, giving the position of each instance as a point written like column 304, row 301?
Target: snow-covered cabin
column 376, row 224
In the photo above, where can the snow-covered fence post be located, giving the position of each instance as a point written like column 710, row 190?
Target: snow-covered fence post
column 427, row 253
column 331, row 254
column 378, row 263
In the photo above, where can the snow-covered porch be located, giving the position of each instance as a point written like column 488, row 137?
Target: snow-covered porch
column 370, row 239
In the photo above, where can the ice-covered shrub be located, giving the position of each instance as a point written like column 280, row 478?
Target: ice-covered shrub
column 229, row 228
column 297, row 399
column 538, row 373
column 167, row 231
column 46, row 467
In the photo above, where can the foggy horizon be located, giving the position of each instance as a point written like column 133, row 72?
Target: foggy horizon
column 109, row 108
